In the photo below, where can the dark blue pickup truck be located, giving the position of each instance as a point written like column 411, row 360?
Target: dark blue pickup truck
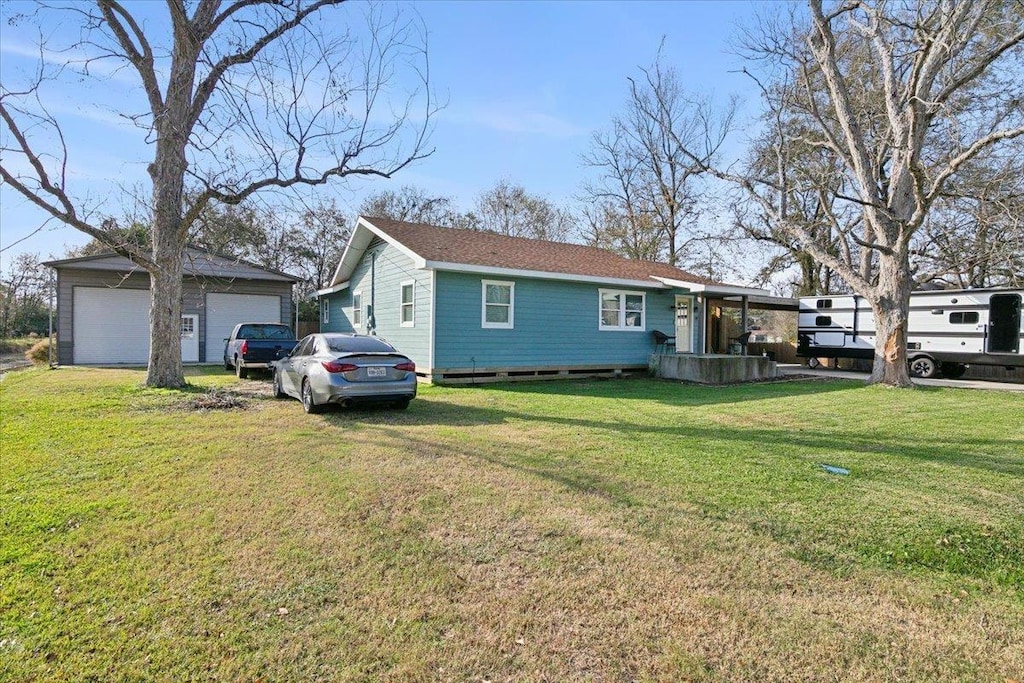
column 253, row 346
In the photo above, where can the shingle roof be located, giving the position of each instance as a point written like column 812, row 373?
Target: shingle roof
column 198, row 263
column 471, row 247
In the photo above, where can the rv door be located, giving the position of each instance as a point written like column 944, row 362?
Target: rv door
column 1004, row 323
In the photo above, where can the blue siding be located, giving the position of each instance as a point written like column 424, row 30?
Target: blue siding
column 556, row 323
column 380, row 286
column 340, row 309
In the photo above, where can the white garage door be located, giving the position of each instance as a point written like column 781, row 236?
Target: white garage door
column 224, row 311
column 111, row 325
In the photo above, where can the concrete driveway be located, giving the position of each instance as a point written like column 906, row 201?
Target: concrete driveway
column 795, row 369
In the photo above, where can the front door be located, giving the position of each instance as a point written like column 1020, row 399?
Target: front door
column 1004, row 323
column 190, row 339
column 684, row 330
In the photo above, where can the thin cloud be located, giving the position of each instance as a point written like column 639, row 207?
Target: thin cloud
column 511, row 119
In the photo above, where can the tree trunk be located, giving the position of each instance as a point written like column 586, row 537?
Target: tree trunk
column 165, row 368
column 168, row 174
column 890, row 303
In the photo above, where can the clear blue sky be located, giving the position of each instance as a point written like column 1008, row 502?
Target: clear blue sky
column 526, row 83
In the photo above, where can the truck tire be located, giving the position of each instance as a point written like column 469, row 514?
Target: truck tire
column 924, row 367
column 813, row 363
column 240, row 370
column 228, row 366
column 953, row 370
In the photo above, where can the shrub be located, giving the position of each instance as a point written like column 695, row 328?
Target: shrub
column 39, row 353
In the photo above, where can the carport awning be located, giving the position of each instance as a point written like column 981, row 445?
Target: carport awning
column 715, row 290
column 767, row 303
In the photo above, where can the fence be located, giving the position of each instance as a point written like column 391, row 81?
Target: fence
column 782, row 352
column 307, row 327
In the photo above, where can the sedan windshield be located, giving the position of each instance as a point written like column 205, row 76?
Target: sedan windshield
column 358, row 345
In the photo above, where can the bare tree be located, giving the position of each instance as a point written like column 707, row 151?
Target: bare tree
column 645, row 174
column 974, row 237
column 239, row 97
column 904, row 96
column 508, row 209
column 24, row 286
column 318, row 243
column 412, row 204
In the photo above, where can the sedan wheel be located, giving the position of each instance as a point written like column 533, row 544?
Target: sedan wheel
column 923, row 366
column 308, row 404
column 278, row 391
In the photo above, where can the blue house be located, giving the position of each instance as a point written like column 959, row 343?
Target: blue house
column 472, row 306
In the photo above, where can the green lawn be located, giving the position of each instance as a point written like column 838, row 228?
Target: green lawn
column 629, row 530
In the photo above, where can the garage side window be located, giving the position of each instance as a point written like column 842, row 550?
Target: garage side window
column 357, row 309
column 498, row 309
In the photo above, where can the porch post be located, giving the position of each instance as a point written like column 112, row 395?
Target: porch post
column 743, row 323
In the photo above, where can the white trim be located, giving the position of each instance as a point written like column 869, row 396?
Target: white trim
column 510, row 325
column 621, row 326
column 331, row 290
column 545, row 275
column 401, row 303
column 361, row 238
column 362, row 317
column 712, row 289
column 433, row 319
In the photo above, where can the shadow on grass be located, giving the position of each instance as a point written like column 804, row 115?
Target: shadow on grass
column 433, row 412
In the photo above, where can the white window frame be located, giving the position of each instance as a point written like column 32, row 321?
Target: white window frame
column 357, row 311
column 621, row 326
column 484, row 323
column 402, row 303
column 325, row 311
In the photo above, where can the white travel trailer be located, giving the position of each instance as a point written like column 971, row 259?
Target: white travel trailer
column 947, row 331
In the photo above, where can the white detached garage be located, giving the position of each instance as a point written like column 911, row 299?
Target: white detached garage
column 103, row 307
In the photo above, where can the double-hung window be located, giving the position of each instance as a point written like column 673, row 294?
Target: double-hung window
column 408, row 303
column 325, row 308
column 357, row 309
column 498, row 309
column 622, row 310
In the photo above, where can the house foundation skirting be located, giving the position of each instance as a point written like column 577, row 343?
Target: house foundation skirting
column 479, row 375
column 712, row 368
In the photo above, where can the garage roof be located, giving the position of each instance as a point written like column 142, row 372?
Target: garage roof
column 198, row 263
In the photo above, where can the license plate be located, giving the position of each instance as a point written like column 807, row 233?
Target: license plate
column 376, row 372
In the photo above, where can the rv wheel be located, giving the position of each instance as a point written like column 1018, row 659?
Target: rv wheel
column 813, row 363
column 953, row 370
column 923, row 366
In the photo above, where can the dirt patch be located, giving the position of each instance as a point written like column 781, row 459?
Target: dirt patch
column 218, row 399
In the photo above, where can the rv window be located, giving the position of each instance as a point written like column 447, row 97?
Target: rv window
column 824, row 303
column 823, row 320
column 963, row 317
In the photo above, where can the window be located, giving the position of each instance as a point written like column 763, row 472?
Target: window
column 357, row 309
column 325, row 314
column 407, row 313
column 964, row 317
column 823, row 320
column 498, row 304
column 824, row 303
column 188, row 326
column 622, row 310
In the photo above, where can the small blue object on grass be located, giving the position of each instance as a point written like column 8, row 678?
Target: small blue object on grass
column 832, row 469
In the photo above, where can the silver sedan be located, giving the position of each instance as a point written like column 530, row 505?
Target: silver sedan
column 344, row 369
